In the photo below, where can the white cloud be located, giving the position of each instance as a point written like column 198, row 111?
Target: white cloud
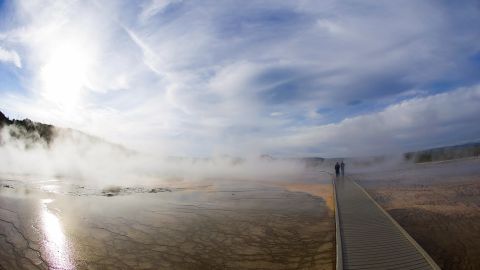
column 409, row 125
column 154, row 7
column 10, row 57
column 331, row 27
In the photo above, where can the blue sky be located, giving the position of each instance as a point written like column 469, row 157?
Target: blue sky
column 290, row 78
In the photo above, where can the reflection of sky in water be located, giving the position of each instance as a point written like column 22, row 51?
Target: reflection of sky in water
column 55, row 244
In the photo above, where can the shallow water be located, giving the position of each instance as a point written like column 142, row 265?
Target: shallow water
column 50, row 224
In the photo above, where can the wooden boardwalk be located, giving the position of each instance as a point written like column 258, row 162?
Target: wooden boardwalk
column 369, row 237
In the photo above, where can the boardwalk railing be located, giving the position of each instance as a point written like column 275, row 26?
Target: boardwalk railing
column 338, row 236
column 419, row 248
column 367, row 237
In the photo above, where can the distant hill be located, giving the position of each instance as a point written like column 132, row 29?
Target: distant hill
column 28, row 130
column 445, row 153
column 35, row 133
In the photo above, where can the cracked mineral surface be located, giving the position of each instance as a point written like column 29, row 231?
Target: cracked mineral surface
column 53, row 225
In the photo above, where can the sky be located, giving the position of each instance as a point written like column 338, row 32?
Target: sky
column 286, row 78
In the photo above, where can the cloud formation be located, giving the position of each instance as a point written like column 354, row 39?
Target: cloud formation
column 208, row 77
column 10, row 57
column 408, row 125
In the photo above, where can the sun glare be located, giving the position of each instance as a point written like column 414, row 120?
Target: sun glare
column 55, row 243
column 64, row 75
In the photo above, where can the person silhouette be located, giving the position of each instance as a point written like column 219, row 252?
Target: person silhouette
column 337, row 169
column 342, row 167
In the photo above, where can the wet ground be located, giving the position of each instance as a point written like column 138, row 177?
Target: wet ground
column 54, row 225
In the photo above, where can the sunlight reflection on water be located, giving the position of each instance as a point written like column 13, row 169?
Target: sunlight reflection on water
column 56, row 245
column 50, row 188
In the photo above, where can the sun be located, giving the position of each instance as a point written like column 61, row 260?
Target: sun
column 64, row 75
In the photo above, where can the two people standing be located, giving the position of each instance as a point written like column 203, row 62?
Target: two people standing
column 338, row 168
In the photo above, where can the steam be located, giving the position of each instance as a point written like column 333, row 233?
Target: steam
column 83, row 159
column 378, row 163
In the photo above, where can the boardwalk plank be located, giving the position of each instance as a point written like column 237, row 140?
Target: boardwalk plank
column 370, row 239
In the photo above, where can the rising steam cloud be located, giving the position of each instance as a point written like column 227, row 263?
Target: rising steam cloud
column 84, row 159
